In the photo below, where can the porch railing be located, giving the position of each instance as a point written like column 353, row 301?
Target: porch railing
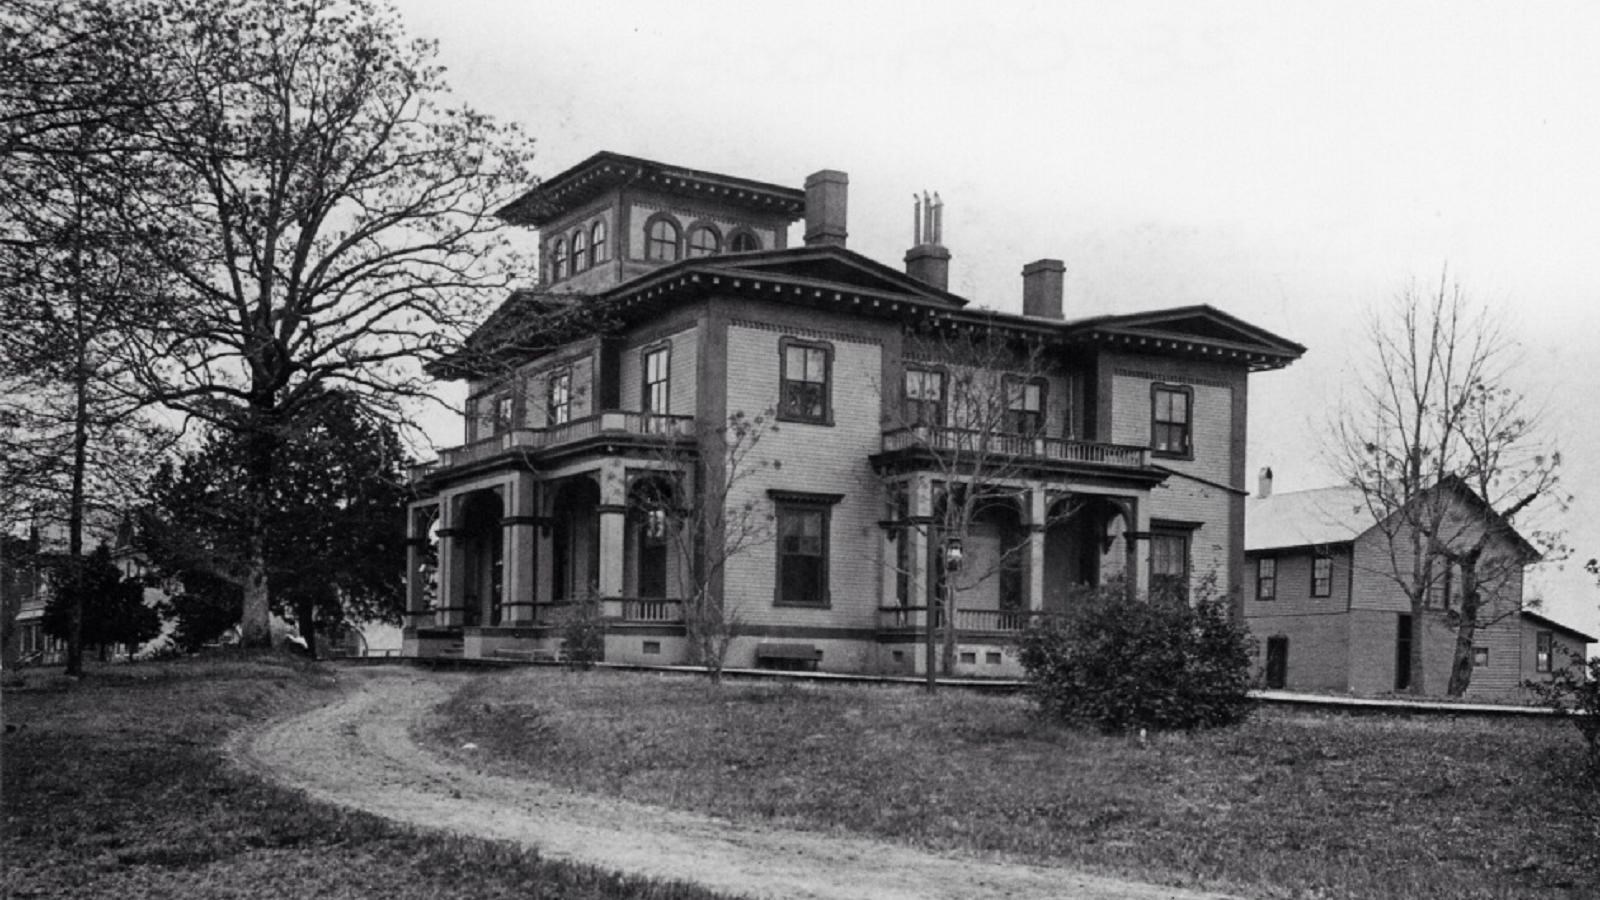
column 997, row 444
column 532, row 440
column 914, row 618
column 643, row 610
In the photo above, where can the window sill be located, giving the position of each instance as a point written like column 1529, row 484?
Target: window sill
column 779, row 604
column 800, row 420
column 1168, row 454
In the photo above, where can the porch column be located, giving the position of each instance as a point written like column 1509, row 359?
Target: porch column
column 1139, row 549
column 919, row 535
column 613, row 512
column 516, row 547
column 417, row 612
column 1038, row 511
column 544, row 568
column 451, row 583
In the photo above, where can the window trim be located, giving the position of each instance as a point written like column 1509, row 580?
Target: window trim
column 502, row 414
column 1266, row 585
column 1480, row 650
column 651, row 242
column 644, row 378
column 1007, row 382
column 699, row 227
column 1322, row 559
column 1172, row 530
column 942, row 403
column 1156, row 389
column 597, row 242
column 799, row 502
column 564, row 375
column 1544, row 658
column 784, row 414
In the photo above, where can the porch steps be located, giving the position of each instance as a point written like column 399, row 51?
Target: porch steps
column 454, row 650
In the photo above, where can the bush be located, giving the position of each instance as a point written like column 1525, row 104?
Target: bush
column 583, row 633
column 1574, row 691
column 1119, row 663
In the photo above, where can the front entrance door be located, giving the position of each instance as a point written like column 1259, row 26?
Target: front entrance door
column 1402, row 654
column 1277, row 662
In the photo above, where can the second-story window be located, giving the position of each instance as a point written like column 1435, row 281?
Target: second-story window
column 597, row 242
column 804, row 394
column 924, row 397
column 704, row 241
column 661, row 240
column 1169, row 420
column 1322, row 576
column 559, row 398
column 657, row 383
column 558, row 255
column 1266, row 578
column 1024, row 406
column 502, row 414
column 580, row 251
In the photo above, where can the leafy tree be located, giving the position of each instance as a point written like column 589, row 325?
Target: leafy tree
column 335, row 520
column 1435, row 418
column 327, row 218
column 113, row 611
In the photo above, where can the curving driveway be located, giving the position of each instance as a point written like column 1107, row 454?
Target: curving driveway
column 358, row 752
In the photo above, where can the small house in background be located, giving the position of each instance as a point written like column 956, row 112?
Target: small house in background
column 1328, row 613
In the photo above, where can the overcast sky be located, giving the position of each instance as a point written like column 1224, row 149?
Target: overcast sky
column 1289, row 163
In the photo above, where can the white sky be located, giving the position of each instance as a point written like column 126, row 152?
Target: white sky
column 1290, row 163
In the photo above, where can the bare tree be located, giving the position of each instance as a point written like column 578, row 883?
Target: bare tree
column 327, row 220
column 1450, row 461
column 976, row 409
column 711, row 524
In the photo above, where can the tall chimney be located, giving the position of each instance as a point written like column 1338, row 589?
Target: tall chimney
column 927, row 260
column 1042, row 283
column 1264, row 481
column 827, row 194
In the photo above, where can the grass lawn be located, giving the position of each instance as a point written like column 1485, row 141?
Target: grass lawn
column 1291, row 804
column 115, row 787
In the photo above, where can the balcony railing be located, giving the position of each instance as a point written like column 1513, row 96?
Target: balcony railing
column 963, row 441
column 914, row 618
column 534, row 440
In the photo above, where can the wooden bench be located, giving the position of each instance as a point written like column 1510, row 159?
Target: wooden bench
column 788, row 656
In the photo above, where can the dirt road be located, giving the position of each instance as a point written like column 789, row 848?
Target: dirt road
column 358, row 752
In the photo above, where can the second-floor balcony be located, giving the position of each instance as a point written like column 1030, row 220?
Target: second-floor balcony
column 642, row 428
column 995, row 448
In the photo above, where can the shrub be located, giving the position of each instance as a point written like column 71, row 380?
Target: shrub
column 1574, row 691
column 583, row 633
column 1119, row 663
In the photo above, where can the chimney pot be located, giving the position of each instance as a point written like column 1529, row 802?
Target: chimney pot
column 827, row 196
column 929, row 264
column 1264, row 483
column 1043, row 283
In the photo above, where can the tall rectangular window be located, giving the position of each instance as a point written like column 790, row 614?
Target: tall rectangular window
column 1322, row 576
column 502, row 414
column 657, row 384
column 1441, row 590
column 559, row 398
column 1170, row 420
column 1169, row 565
column 1266, row 578
column 1544, row 651
column 1024, row 406
column 804, row 394
column 924, row 397
column 802, row 555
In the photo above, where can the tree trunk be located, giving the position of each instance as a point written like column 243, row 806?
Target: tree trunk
column 304, row 610
column 1466, row 631
column 1419, row 629
column 80, row 462
column 255, row 625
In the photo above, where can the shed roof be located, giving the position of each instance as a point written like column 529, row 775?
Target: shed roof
column 1332, row 515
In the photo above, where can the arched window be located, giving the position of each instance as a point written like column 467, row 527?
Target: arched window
column 704, row 241
column 558, row 256
column 597, row 243
column 744, row 241
column 661, row 239
column 580, row 251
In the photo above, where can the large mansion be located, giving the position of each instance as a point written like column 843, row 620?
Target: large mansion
column 838, row 409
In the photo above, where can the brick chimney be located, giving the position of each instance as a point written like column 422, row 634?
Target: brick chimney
column 927, row 260
column 827, row 195
column 1264, row 483
column 1042, row 288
